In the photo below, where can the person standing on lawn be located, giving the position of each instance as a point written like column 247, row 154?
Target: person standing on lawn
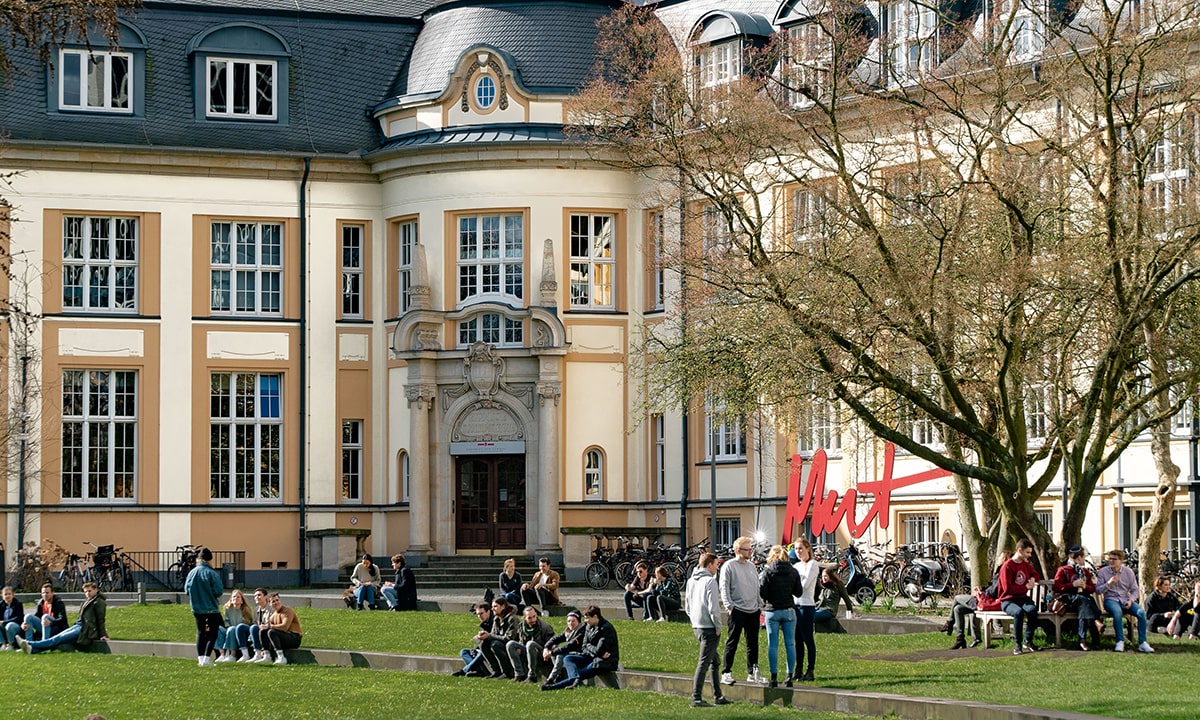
column 705, row 614
column 739, row 594
column 1017, row 579
column 204, row 589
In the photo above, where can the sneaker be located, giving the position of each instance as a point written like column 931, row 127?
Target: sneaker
column 1083, row 646
column 24, row 645
column 246, row 656
column 226, row 659
column 663, row 619
column 204, row 661
column 262, row 657
column 975, row 643
column 754, row 677
column 727, row 678
column 1017, row 650
column 1120, row 646
column 5, row 646
column 701, row 703
column 722, row 700
column 1031, row 648
column 281, row 659
column 1144, row 647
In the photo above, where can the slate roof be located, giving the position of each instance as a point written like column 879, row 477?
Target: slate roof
column 340, row 68
column 507, row 133
column 552, row 42
column 372, row 8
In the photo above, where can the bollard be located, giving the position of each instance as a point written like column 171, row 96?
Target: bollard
column 141, row 592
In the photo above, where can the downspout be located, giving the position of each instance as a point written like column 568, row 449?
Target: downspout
column 303, row 539
column 683, row 535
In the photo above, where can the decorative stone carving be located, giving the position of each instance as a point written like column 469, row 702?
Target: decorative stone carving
column 551, row 391
column 487, row 423
column 549, row 284
column 422, row 394
column 464, row 103
column 484, row 371
column 420, row 293
column 427, row 338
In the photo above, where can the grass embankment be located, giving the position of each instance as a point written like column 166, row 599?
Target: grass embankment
column 1104, row 683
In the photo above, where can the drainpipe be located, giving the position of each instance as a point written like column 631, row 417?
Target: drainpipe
column 683, row 500
column 303, row 486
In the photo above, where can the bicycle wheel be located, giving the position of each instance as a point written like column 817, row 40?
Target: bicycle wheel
column 891, row 579
column 597, row 575
column 623, row 573
column 176, row 575
column 676, row 571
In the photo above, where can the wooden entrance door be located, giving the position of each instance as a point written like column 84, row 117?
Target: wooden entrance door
column 491, row 502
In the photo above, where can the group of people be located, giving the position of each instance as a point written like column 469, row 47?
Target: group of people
column 1112, row 590
column 521, row 647
column 657, row 595
column 793, row 592
column 239, row 634
column 46, row 627
column 541, row 590
column 367, row 585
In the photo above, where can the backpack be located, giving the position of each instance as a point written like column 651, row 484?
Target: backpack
column 488, row 595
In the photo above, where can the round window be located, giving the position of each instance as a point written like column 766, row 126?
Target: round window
column 485, row 91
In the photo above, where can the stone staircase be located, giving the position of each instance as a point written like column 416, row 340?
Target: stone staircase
column 465, row 572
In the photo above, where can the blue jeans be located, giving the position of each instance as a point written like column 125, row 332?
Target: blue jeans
column 35, row 627
column 1114, row 608
column 389, row 594
column 365, row 594
column 821, row 615
column 1024, row 614
column 781, row 621
column 233, row 638
column 71, row 634
column 259, row 639
column 10, row 632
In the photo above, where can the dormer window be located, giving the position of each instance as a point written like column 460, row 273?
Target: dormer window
column 911, row 40
column 719, row 64
column 241, row 89
column 810, row 59
column 720, row 42
column 95, row 81
column 1028, row 29
column 241, row 74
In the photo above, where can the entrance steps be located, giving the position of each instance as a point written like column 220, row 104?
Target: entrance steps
column 461, row 572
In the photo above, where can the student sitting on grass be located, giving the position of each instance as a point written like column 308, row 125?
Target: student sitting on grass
column 600, row 652
column 525, row 650
column 285, row 632
column 474, row 664
column 87, row 629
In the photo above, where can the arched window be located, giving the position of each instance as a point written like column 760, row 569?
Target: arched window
column 91, row 76
column 241, row 73
column 402, row 470
column 593, row 474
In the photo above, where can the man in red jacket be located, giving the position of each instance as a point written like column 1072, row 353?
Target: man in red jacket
column 1017, row 579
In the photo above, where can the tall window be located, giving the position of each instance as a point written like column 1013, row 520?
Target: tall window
column 658, row 423
column 95, row 81
column 821, row 540
column 352, row 460
column 99, row 434
column 658, row 241
column 912, row 39
column 592, row 238
column 918, row 426
column 246, row 436
column 1037, row 413
column 1028, row 29
column 406, row 241
column 242, row 89
column 593, row 475
column 810, row 58
column 1169, row 166
column 719, row 64
column 723, row 432
column 247, row 268
column 920, row 528
column 491, row 328
column 404, row 475
column 1180, row 537
column 808, row 210
column 100, row 256
column 1046, row 518
column 491, row 256
column 352, row 271
column 820, row 426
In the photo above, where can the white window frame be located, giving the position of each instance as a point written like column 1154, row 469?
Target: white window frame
column 593, row 240
column 1028, row 30
column 485, row 96
column 912, row 40
column 264, row 268
column 728, row 530
column 921, row 528
column 808, row 209
column 104, row 62
column 659, row 423
column 405, row 475
column 1169, row 167
column 719, row 64
column 593, row 474
column 726, row 431
column 258, row 416
column 821, row 427
column 491, row 257
column 492, row 328
column 658, row 239
column 406, row 240
column 810, row 50
column 1037, row 413
column 352, row 271
column 1179, row 538
column 230, row 112
column 100, row 259
column 352, row 462
column 99, row 435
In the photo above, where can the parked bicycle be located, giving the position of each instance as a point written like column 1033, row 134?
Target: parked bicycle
column 75, row 572
column 110, row 568
column 179, row 569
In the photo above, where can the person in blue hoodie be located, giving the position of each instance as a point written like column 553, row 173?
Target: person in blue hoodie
column 203, row 587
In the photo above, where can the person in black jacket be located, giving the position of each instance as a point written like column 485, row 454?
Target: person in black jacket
column 510, row 582
column 50, row 618
column 12, row 613
column 778, row 585
column 598, row 655
column 87, row 630
column 402, row 593
column 566, row 642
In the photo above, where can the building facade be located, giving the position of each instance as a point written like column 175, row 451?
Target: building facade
column 306, row 275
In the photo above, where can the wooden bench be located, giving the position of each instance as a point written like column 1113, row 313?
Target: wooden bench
column 993, row 620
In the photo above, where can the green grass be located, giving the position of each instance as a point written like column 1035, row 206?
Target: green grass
column 1104, row 683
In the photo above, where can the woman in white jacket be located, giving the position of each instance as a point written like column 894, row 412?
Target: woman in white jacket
column 806, row 606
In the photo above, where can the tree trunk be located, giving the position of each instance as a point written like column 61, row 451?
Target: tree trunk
column 1149, row 539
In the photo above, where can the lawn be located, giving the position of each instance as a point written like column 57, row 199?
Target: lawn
column 1102, row 683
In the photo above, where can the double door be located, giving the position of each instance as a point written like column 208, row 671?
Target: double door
column 491, row 502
